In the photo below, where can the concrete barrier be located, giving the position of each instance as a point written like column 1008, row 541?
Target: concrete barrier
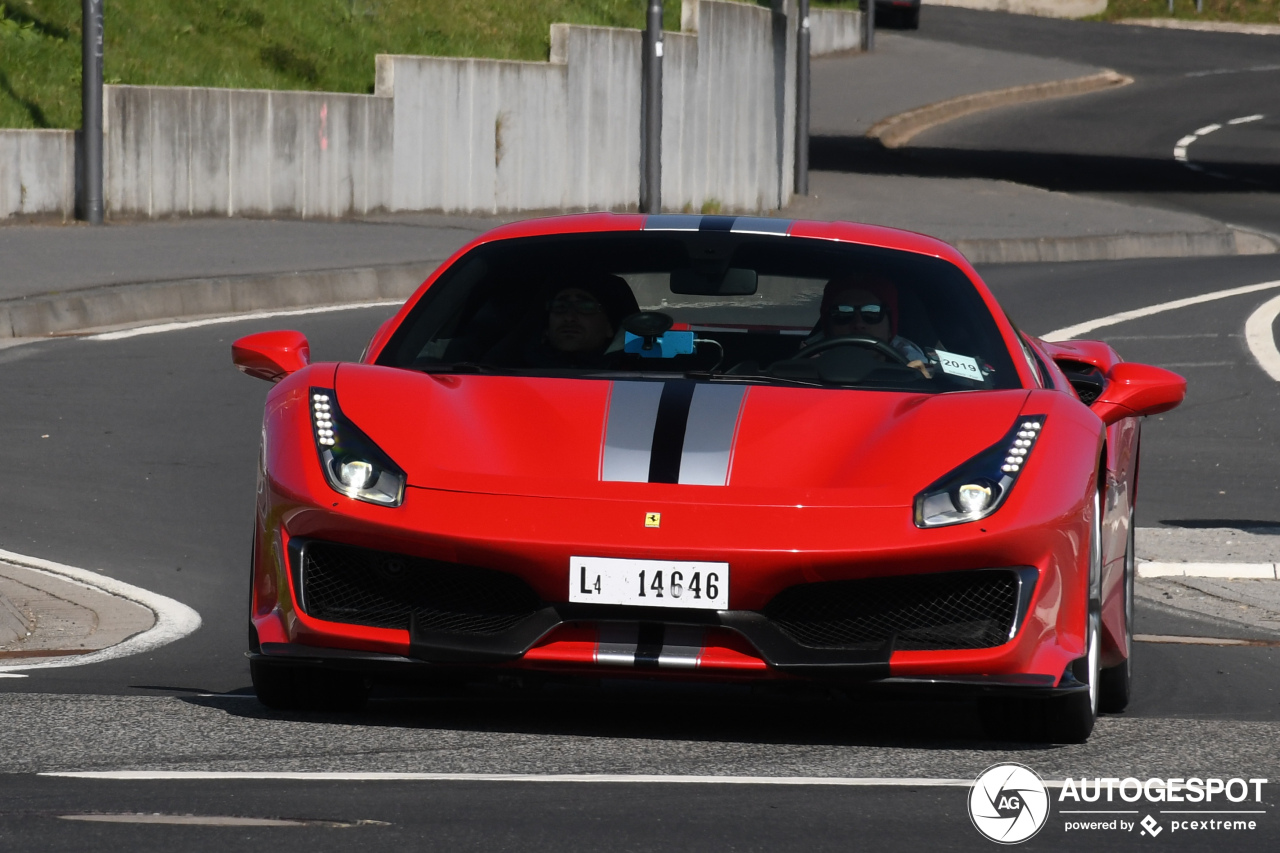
column 37, row 173
column 1042, row 8
column 459, row 135
column 189, row 151
column 834, row 31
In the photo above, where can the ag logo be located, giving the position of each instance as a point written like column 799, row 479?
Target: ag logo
column 1008, row 803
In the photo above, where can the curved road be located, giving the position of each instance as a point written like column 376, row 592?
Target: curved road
column 1118, row 143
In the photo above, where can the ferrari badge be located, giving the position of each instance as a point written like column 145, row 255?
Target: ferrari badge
column 653, row 519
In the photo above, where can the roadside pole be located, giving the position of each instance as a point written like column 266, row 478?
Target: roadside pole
column 651, row 112
column 868, row 25
column 91, row 109
column 802, row 102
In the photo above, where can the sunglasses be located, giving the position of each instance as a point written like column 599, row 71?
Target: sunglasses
column 871, row 313
column 574, row 306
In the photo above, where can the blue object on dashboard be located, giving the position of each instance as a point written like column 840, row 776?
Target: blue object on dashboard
column 669, row 345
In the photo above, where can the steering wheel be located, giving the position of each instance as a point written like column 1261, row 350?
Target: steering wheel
column 864, row 341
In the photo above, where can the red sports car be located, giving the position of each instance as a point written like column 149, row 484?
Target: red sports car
column 703, row 447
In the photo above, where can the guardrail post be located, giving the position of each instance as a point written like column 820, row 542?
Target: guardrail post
column 651, row 112
column 91, row 111
column 869, row 24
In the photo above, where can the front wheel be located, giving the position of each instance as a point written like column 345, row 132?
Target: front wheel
column 1054, row 719
column 1068, row 718
column 1117, row 681
column 284, row 687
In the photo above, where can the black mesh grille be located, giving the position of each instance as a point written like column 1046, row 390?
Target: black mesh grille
column 960, row 610
column 359, row 586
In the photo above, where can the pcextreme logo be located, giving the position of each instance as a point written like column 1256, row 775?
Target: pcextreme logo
column 1010, row 803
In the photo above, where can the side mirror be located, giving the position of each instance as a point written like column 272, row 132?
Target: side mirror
column 1134, row 390
column 271, row 355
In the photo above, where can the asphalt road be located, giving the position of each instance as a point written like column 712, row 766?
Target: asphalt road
column 1119, row 143
column 146, row 474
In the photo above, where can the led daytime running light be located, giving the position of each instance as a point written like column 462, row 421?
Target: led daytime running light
column 980, row 486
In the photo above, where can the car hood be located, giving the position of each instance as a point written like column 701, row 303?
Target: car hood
column 677, row 440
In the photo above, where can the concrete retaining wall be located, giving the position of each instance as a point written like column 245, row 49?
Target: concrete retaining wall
column 183, row 151
column 37, row 173
column 834, row 31
column 459, row 134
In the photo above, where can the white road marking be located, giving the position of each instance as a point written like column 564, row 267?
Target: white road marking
column 1215, row 71
column 235, row 318
column 1069, row 332
column 1180, row 147
column 1253, row 571
column 606, row 778
column 1199, row 641
column 1261, row 339
column 174, row 620
column 1172, row 364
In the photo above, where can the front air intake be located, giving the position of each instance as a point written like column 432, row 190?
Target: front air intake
column 380, row 589
column 954, row 610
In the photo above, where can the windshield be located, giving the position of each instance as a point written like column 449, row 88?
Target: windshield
column 716, row 305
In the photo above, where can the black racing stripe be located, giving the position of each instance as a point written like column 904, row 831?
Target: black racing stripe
column 649, row 645
column 668, row 431
column 717, row 223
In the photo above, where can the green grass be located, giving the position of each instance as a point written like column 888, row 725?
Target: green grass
column 1240, row 11
column 323, row 45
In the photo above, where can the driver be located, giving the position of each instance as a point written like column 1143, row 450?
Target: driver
column 583, row 315
column 865, row 305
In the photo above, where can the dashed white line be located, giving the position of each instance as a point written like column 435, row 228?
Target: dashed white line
column 1069, row 332
column 1181, row 146
column 174, row 620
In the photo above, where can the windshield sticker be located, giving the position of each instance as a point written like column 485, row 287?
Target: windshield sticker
column 959, row 365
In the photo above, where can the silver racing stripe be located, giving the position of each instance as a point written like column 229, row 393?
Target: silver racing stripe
column 617, row 643
column 681, row 647
column 628, row 440
column 708, row 437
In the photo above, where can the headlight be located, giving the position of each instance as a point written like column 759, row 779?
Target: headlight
column 353, row 465
column 978, row 487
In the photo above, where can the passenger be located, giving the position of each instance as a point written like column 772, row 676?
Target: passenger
column 583, row 316
column 866, row 305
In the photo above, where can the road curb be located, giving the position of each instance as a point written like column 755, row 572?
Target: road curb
column 123, row 304
column 1115, row 247
column 1237, row 571
column 1038, row 8
column 895, row 131
column 173, row 619
column 1203, row 26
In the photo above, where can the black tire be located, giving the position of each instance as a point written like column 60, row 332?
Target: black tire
column 1055, row 719
column 1068, row 718
column 909, row 19
column 1116, row 684
column 295, row 688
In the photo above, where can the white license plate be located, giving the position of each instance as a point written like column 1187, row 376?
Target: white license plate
column 649, row 583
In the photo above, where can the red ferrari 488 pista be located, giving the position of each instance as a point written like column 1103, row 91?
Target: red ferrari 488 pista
column 707, row 447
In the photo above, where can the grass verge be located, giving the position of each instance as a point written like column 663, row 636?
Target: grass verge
column 1237, row 11
column 322, row 45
